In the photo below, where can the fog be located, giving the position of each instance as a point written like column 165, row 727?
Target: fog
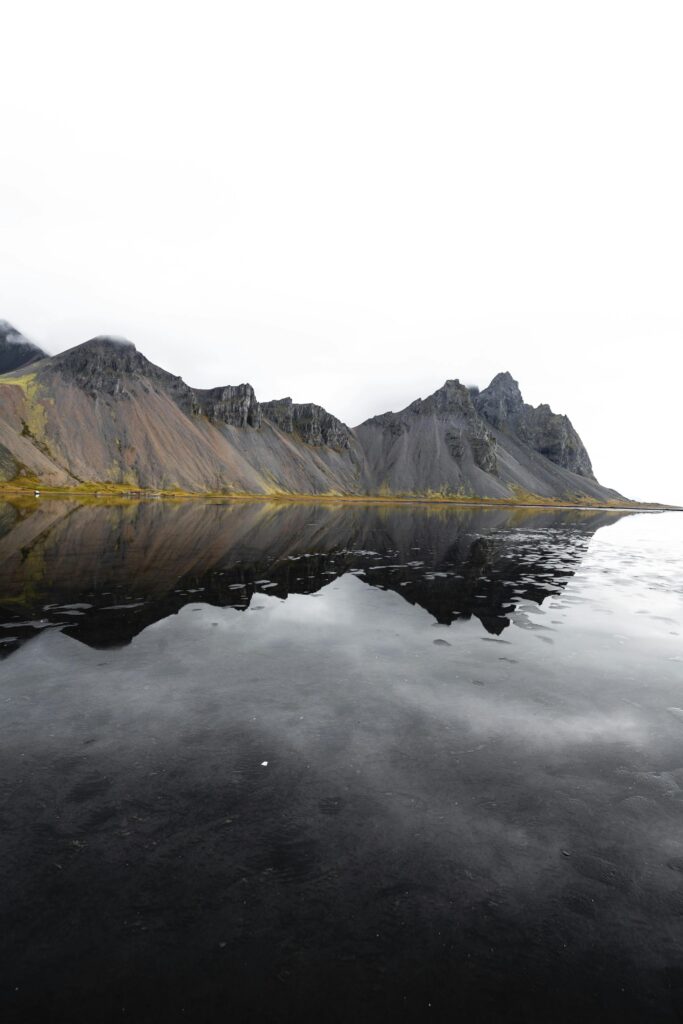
column 350, row 205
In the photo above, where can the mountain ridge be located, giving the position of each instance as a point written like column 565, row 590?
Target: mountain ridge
column 102, row 413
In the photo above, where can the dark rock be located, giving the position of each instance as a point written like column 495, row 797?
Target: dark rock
column 111, row 366
column 554, row 436
column 501, row 401
column 452, row 398
column 9, row 467
column 548, row 433
column 452, row 403
column 236, row 405
column 16, row 351
column 483, row 446
column 317, row 426
column 312, row 423
column 455, row 442
column 281, row 413
column 108, row 366
column 393, row 423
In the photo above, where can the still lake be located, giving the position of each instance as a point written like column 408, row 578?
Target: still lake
column 291, row 762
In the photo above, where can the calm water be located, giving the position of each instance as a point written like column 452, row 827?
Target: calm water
column 291, row 763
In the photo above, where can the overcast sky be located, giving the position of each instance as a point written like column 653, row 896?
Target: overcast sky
column 351, row 202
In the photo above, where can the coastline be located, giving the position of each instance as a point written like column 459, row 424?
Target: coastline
column 119, row 493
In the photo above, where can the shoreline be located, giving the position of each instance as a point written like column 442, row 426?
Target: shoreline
column 132, row 495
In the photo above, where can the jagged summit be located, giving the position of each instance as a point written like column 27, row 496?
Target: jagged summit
column 504, row 379
column 452, row 397
column 501, row 400
column 552, row 435
column 107, row 365
column 16, row 351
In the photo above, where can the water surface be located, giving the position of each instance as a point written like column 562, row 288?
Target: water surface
column 291, row 762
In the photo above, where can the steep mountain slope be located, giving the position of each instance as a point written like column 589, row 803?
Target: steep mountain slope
column 16, row 350
column 101, row 413
column 490, row 445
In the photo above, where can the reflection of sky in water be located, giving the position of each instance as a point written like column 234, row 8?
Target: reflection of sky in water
column 522, row 788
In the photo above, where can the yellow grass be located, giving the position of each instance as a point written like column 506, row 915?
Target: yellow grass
column 24, row 382
column 25, row 486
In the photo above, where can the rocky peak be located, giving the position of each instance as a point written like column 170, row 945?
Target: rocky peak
column 501, row 401
column 103, row 354
column 108, row 365
column 16, row 351
column 548, row 433
column 452, row 398
column 464, row 432
column 113, row 366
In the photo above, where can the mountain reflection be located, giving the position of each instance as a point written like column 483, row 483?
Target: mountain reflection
column 103, row 572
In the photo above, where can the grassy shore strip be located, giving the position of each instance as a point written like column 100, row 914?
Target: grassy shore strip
column 122, row 493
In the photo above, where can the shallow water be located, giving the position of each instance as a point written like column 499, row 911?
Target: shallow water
column 271, row 762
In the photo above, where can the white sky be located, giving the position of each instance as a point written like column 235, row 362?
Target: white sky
column 351, row 202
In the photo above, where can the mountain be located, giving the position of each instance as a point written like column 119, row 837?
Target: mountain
column 489, row 444
column 102, row 414
column 16, row 351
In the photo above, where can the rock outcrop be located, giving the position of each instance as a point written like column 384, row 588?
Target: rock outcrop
column 313, row 424
column 112, row 366
column 230, row 404
column 109, row 366
column 548, row 433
